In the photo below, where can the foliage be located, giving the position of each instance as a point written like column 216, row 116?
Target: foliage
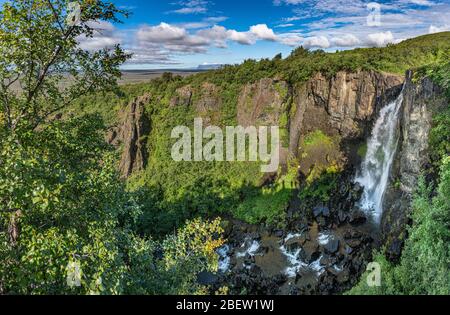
column 267, row 204
column 440, row 136
column 439, row 73
column 64, row 203
column 61, row 205
column 68, row 225
column 39, row 49
column 362, row 151
column 321, row 186
column 182, row 257
column 424, row 266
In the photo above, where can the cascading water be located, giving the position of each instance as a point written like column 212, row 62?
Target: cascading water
column 381, row 150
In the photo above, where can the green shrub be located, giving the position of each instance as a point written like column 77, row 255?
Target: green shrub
column 425, row 263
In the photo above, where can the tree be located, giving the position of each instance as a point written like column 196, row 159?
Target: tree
column 39, row 49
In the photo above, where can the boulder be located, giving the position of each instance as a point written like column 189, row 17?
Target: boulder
column 321, row 211
column 332, row 247
column 357, row 217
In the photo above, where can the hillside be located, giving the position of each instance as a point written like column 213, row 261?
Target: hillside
column 325, row 104
column 94, row 186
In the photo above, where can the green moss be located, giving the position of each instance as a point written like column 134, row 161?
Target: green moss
column 268, row 204
column 319, row 186
column 362, row 151
column 317, row 138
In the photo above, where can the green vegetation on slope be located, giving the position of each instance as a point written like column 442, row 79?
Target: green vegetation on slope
column 68, row 225
column 199, row 188
column 425, row 264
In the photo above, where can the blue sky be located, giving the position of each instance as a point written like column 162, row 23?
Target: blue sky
column 188, row 33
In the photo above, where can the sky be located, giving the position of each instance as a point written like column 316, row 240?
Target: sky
column 189, row 33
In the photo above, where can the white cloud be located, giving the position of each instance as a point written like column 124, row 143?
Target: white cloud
column 380, row 39
column 162, row 33
column 292, row 40
column 419, row 2
column 437, row 29
column 192, row 7
column 217, row 34
column 285, row 25
column 347, row 40
column 316, row 42
column 263, row 32
column 104, row 36
column 172, row 38
column 243, row 38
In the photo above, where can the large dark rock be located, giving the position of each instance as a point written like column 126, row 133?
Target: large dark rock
column 321, row 211
column 357, row 217
column 332, row 247
column 207, row 278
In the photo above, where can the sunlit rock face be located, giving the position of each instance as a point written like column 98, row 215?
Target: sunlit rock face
column 262, row 103
column 345, row 104
column 131, row 134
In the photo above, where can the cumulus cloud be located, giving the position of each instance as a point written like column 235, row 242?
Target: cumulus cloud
column 316, row 42
column 217, row 34
column 104, row 36
column 347, row 40
column 261, row 31
column 292, row 40
column 164, row 41
column 243, row 38
column 380, row 39
column 161, row 33
column 171, row 38
column 437, row 29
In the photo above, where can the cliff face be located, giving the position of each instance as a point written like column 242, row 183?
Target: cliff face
column 262, row 103
column 344, row 105
column 132, row 135
column 420, row 101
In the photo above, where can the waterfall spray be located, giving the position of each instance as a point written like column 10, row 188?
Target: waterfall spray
column 381, row 150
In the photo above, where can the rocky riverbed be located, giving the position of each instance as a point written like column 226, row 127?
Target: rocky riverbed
column 323, row 250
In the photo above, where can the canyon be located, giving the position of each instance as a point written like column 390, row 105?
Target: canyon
column 325, row 247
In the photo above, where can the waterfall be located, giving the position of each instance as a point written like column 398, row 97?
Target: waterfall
column 381, row 150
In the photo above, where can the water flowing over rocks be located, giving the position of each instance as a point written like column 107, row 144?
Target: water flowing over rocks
column 381, row 150
column 318, row 252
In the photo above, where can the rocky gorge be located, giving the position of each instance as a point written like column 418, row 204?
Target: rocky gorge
column 324, row 247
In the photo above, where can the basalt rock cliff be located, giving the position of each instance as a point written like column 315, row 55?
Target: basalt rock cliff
column 421, row 100
column 132, row 135
column 344, row 105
